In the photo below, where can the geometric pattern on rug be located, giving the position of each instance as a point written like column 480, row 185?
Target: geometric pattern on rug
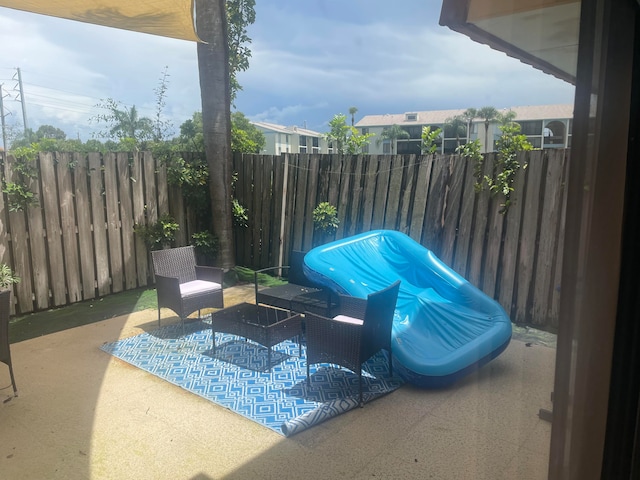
column 237, row 376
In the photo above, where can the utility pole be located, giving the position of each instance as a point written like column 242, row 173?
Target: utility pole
column 4, row 131
column 22, row 102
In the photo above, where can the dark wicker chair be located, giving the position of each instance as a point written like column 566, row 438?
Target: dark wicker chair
column 299, row 295
column 362, row 328
column 183, row 286
column 5, row 352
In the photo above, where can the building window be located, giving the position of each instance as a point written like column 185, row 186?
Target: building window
column 386, row 146
column 315, row 142
column 531, row 127
column 303, row 144
column 411, row 117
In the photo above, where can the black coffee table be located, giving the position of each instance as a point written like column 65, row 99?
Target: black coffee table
column 264, row 325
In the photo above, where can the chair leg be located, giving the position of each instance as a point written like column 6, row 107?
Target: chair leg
column 360, row 387
column 13, row 381
column 308, row 380
column 158, row 316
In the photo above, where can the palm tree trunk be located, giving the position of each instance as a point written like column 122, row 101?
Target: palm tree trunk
column 213, row 66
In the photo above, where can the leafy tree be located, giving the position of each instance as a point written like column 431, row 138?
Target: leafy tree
column 488, row 114
column 338, row 132
column 430, row 140
column 240, row 14
column 393, row 134
column 511, row 142
column 245, row 136
column 345, row 138
column 352, row 112
column 191, row 136
column 49, row 131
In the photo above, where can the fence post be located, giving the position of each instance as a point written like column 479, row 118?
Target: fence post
column 283, row 212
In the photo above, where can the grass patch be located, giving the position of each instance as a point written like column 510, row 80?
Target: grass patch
column 247, row 275
column 24, row 327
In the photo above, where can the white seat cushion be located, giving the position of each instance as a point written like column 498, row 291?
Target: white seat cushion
column 346, row 319
column 198, row 287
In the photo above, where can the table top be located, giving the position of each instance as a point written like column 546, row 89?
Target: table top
column 249, row 313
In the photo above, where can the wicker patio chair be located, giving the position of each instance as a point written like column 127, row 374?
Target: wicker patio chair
column 362, row 328
column 5, row 352
column 299, row 295
column 183, row 286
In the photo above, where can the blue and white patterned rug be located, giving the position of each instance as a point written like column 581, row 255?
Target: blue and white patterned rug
column 237, row 376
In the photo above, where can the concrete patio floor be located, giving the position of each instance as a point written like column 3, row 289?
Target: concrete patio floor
column 82, row 414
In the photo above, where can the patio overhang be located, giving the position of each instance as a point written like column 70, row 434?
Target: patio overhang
column 167, row 18
column 541, row 33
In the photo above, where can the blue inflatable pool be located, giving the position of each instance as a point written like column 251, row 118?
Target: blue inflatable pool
column 444, row 327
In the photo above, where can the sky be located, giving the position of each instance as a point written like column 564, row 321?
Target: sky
column 311, row 60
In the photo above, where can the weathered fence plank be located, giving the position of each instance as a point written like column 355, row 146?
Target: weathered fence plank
column 547, row 245
column 452, row 206
column 54, row 233
column 408, row 182
column 126, row 221
column 460, row 260
column 420, row 197
column 393, row 209
column 83, row 215
column 101, row 245
column 356, row 197
column 68, row 228
column 311, row 201
column 528, row 242
column 113, row 222
column 38, row 249
column 381, row 192
column 433, row 219
column 556, row 281
column 137, row 194
column 18, row 232
column 509, row 258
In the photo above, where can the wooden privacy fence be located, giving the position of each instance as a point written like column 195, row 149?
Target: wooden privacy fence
column 514, row 258
column 78, row 242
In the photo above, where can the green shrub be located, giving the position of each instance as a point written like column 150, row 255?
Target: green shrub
column 160, row 234
column 325, row 218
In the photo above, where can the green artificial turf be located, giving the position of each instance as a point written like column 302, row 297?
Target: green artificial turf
column 24, row 327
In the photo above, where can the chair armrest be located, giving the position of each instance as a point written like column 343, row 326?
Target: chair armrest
column 351, row 306
column 263, row 270
column 210, row 274
column 167, row 285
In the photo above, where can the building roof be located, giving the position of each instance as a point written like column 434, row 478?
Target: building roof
column 529, row 112
column 272, row 127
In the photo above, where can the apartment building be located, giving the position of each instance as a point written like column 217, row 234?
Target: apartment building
column 280, row 139
column 546, row 126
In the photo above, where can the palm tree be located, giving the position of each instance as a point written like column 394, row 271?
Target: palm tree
column 213, row 67
column 455, row 127
column 469, row 114
column 127, row 124
column 488, row 114
column 352, row 112
column 393, row 134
